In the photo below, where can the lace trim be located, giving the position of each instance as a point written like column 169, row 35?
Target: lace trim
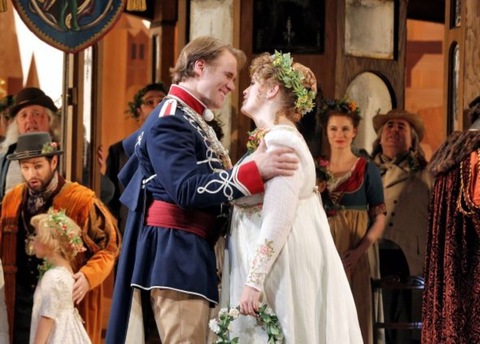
column 338, row 181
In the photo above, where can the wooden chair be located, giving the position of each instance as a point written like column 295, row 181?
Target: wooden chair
column 396, row 283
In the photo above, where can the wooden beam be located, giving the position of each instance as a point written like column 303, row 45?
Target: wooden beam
column 164, row 28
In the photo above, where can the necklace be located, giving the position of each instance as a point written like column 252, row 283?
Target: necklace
column 215, row 144
column 254, row 138
column 29, row 247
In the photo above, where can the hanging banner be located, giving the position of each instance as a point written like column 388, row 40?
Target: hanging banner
column 70, row 25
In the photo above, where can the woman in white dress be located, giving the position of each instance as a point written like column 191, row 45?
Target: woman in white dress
column 55, row 320
column 281, row 251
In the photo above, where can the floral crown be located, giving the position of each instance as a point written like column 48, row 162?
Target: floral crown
column 294, row 80
column 49, row 147
column 344, row 105
column 138, row 97
column 61, row 220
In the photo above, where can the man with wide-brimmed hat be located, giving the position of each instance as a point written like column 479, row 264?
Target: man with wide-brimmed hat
column 32, row 111
column 44, row 187
column 407, row 187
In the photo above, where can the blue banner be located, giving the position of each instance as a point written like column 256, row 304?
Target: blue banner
column 70, row 25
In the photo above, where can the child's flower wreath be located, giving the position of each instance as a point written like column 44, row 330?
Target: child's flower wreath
column 265, row 315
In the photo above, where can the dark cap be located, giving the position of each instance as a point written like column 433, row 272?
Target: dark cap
column 31, row 96
column 34, row 145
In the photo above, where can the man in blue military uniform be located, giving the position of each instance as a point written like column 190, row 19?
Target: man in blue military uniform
column 178, row 176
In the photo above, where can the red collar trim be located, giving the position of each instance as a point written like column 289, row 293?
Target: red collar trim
column 186, row 96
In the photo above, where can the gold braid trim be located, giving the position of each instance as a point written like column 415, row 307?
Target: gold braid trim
column 215, row 145
column 464, row 202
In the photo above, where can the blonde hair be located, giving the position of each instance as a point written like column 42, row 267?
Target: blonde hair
column 50, row 234
column 265, row 72
column 202, row 48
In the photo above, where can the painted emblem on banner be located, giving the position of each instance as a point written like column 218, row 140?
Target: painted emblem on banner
column 70, row 25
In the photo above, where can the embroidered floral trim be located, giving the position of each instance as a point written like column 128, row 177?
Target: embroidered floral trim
column 376, row 210
column 263, row 255
column 254, row 139
column 49, row 147
column 250, row 209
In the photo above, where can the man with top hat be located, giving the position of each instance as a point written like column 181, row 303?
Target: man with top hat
column 407, row 187
column 177, row 177
column 44, row 187
column 452, row 266
column 32, row 111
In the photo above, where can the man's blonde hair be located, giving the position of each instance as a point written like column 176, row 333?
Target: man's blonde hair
column 202, row 48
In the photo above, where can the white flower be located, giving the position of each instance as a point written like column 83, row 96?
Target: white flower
column 213, row 324
column 234, row 313
column 223, row 311
column 268, row 311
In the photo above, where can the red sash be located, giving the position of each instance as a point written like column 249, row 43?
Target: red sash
column 167, row 215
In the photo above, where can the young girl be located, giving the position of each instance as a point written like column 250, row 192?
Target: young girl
column 54, row 318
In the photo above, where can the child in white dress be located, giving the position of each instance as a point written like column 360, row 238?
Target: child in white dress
column 54, row 317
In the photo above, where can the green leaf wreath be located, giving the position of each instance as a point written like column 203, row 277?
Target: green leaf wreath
column 265, row 315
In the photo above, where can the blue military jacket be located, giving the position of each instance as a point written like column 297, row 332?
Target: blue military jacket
column 175, row 158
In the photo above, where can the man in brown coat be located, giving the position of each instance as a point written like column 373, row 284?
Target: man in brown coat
column 407, row 186
column 43, row 188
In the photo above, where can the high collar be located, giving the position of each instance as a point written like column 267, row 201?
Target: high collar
column 188, row 98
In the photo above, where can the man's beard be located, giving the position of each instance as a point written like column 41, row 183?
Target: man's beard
column 42, row 186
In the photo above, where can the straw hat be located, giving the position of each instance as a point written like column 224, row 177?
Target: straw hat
column 415, row 121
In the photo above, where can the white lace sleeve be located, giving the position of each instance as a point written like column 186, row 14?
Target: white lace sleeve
column 279, row 208
column 56, row 294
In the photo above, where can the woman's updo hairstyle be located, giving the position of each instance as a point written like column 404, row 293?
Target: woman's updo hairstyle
column 297, row 99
